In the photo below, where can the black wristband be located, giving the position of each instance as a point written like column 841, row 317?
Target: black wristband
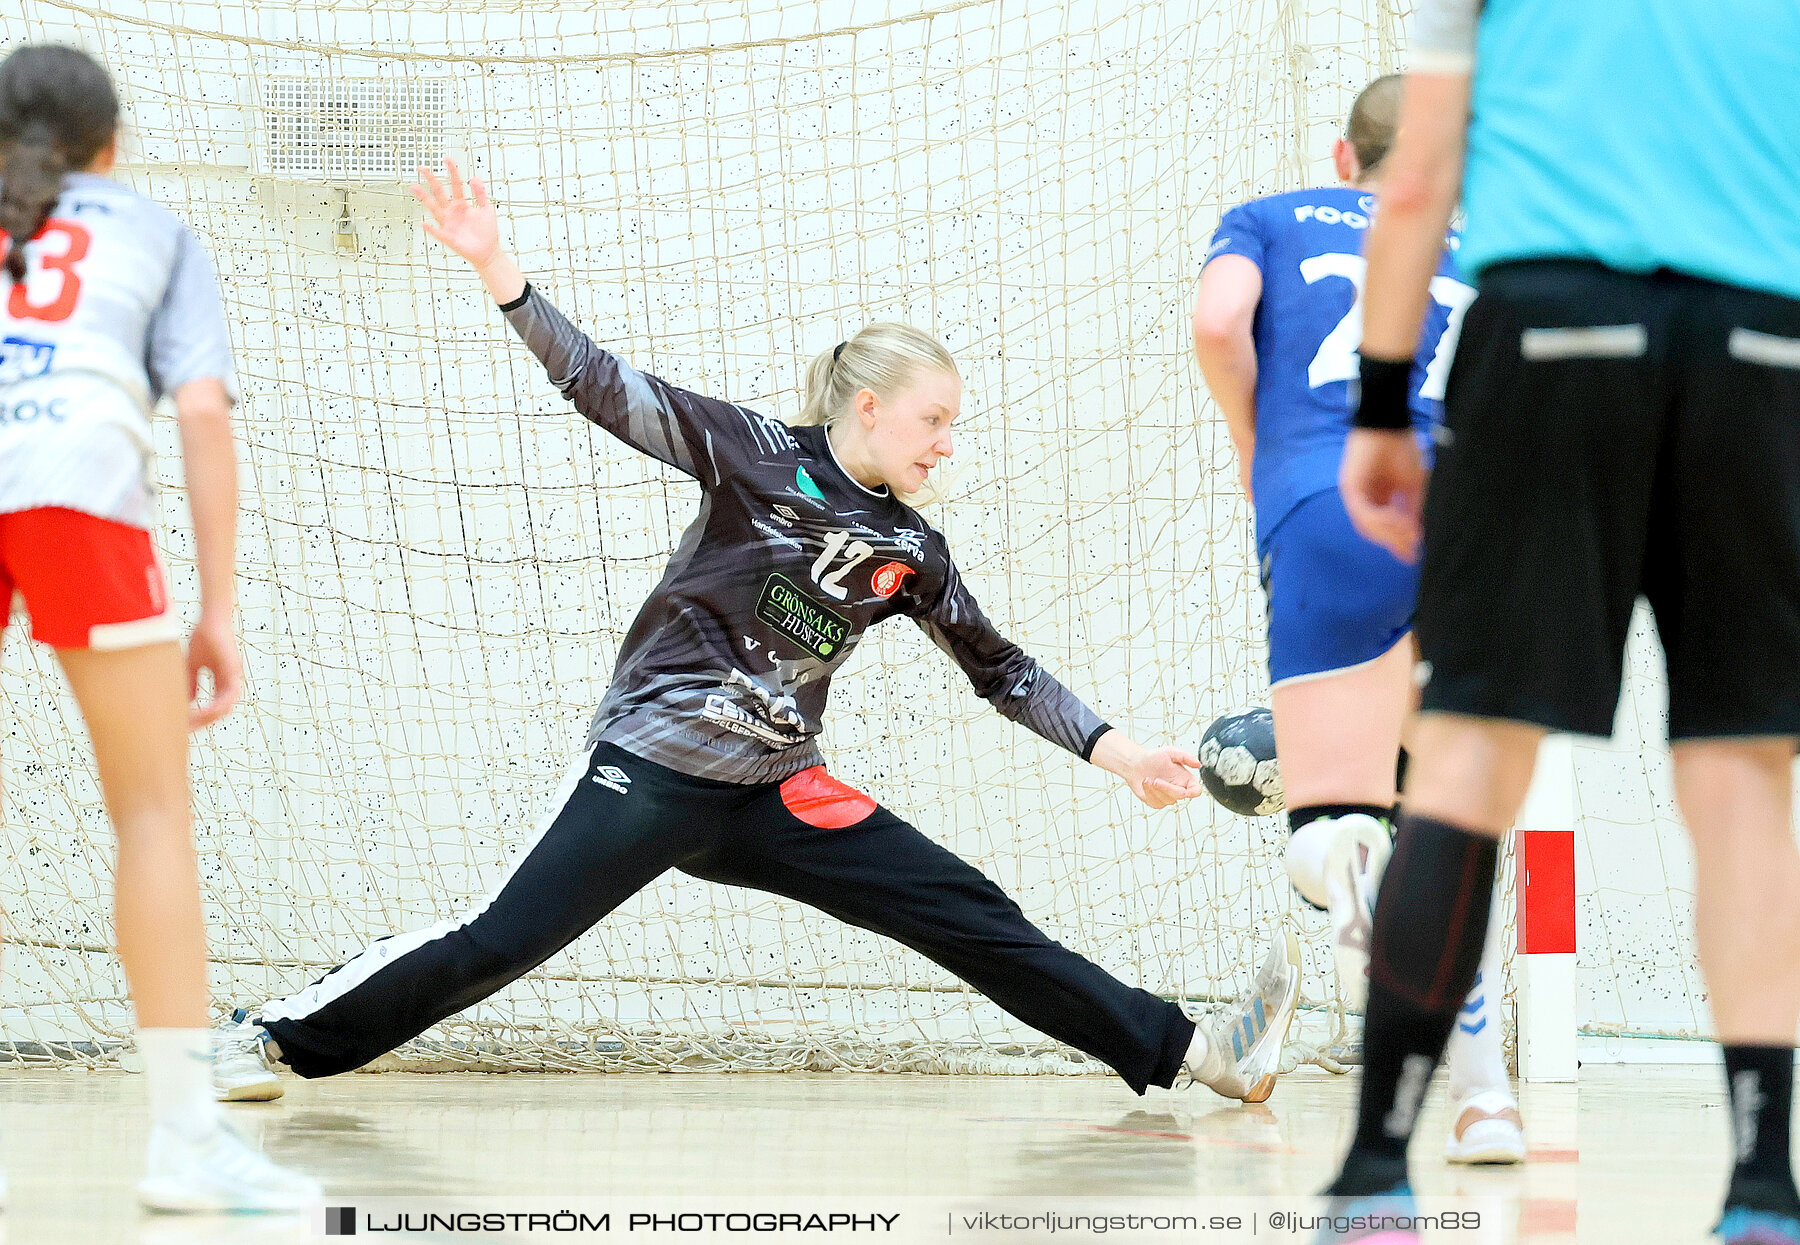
column 518, row 302
column 1087, row 748
column 1382, row 394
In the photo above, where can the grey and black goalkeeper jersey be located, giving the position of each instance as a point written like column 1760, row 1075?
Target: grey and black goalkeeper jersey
column 725, row 671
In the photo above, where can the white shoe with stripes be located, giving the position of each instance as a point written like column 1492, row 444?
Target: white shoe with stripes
column 241, row 1067
column 1243, row 1046
column 215, row 1170
column 1354, row 862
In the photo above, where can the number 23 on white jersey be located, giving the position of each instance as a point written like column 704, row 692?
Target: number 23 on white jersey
column 1336, row 359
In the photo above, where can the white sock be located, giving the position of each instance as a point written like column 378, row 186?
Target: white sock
column 1205, row 1061
column 1476, row 1059
column 178, row 1064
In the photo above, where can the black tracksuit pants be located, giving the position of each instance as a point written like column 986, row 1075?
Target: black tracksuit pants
column 620, row 821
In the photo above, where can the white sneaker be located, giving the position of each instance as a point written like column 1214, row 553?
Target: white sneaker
column 1487, row 1128
column 1244, row 1044
column 217, row 1171
column 1354, row 863
column 241, row 1071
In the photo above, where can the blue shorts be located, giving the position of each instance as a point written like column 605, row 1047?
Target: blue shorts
column 1336, row 601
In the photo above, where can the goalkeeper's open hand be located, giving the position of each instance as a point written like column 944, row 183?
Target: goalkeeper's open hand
column 1157, row 776
column 467, row 222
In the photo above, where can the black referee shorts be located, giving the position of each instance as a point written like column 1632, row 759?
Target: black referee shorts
column 1608, row 435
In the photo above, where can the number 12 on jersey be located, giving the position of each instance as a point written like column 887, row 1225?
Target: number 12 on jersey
column 833, row 584
column 1336, row 359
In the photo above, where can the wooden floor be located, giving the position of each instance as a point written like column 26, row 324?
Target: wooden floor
column 1633, row 1154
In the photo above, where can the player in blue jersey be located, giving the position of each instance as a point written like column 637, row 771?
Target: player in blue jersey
column 1276, row 329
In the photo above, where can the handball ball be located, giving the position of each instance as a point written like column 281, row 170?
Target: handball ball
column 1238, row 765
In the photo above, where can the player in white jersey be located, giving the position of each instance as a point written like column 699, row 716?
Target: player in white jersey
column 109, row 304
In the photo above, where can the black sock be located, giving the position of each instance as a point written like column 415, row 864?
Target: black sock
column 1760, row 1083
column 1430, row 922
column 1306, row 814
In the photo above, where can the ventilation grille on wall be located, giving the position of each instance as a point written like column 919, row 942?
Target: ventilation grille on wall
column 352, row 130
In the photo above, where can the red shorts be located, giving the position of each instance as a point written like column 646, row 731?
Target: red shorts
column 88, row 582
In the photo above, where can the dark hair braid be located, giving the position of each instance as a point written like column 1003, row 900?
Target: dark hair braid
column 57, row 112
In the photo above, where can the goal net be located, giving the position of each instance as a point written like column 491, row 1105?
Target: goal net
column 439, row 559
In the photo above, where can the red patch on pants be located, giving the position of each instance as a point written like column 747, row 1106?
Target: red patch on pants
column 818, row 799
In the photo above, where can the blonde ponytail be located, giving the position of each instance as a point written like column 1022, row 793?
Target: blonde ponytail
column 883, row 358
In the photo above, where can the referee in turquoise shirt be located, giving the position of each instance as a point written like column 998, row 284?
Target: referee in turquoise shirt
column 1623, row 419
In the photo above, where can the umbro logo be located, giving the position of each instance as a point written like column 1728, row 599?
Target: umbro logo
column 613, row 778
column 786, row 515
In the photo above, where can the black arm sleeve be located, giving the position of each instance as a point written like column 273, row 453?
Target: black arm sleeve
column 692, row 433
